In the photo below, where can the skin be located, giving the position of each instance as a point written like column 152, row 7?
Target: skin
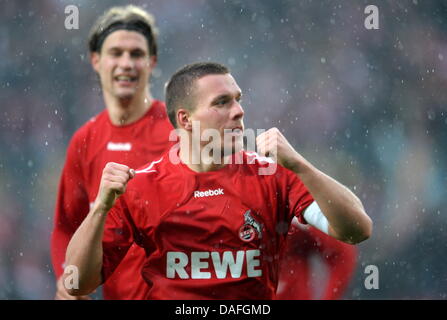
column 218, row 107
column 123, row 53
column 347, row 219
column 344, row 211
column 85, row 248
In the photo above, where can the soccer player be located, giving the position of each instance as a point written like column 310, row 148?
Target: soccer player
column 212, row 220
column 133, row 129
column 298, row 280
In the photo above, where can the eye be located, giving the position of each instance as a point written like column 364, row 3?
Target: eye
column 137, row 54
column 115, row 53
column 221, row 102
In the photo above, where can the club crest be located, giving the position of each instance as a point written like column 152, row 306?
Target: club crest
column 250, row 228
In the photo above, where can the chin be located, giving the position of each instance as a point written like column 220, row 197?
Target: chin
column 125, row 95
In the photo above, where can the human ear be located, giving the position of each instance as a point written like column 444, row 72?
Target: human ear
column 184, row 119
column 94, row 60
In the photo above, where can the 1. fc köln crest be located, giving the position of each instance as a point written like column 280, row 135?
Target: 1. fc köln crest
column 250, row 229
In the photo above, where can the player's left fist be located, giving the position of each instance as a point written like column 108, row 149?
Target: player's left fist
column 272, row 143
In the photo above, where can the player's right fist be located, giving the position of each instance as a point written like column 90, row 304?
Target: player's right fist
column 114, row 180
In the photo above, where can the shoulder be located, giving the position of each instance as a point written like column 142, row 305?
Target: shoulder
column 158, row 109
column 253, row 162
column 151, row 167
column 264, row 168
column 147, row 174
column 255, row 158
column 81, row 139
column 91, row 126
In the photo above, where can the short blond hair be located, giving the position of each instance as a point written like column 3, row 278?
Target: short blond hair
column 124, row 17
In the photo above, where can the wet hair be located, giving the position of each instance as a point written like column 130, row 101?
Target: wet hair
column 130, row 18
column 179, row 90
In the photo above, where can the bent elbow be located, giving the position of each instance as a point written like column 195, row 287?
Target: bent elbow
column 369, row 228
column 75, row 287
column 365, row 233
column 359, row 233
column 75, row 292
column 79, row 291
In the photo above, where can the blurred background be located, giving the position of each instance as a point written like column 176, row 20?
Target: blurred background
column 368, row 107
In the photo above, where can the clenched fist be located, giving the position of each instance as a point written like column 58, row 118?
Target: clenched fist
column 272, row 143
column 114, row 180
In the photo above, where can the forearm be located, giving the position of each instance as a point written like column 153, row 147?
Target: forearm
column 59, row 242
column 85, row 251
column 345, row 213
column 343, row 210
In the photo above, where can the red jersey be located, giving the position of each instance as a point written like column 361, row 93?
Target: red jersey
column 208, row 235
column 92, row 146
column 295, row 278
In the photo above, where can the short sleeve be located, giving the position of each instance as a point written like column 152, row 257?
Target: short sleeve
column 117, row 238
column 298, row 197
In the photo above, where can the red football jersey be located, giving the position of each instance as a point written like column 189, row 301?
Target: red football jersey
column 208, row 235
column 92, row 146
column 296, row 278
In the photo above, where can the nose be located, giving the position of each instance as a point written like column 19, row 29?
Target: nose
column 237, row 111
column 125, row 62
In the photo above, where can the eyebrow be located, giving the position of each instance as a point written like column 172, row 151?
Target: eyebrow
column 121, row 49
column 226, row 95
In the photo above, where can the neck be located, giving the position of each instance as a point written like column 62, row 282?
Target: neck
column 199, row 161
column 126, row 111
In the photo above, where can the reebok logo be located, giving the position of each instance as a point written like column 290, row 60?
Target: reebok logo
column 112, row 146
column 209, row 193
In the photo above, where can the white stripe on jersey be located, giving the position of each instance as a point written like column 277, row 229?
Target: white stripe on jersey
column 148, row 169
column 259, row 157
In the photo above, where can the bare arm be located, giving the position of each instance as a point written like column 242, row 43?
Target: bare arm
column 72, row 206
column 85, row 250
column 347, row 218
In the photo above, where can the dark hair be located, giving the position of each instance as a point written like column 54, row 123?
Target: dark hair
column 130, row 18
column 179, row 89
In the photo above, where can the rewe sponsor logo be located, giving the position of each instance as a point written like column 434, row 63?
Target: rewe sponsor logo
column 209, row 193
column 207, row 265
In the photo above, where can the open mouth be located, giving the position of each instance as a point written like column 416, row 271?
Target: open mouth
column 125, row 79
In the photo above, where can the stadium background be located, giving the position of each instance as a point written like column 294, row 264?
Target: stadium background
column 366, row 106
